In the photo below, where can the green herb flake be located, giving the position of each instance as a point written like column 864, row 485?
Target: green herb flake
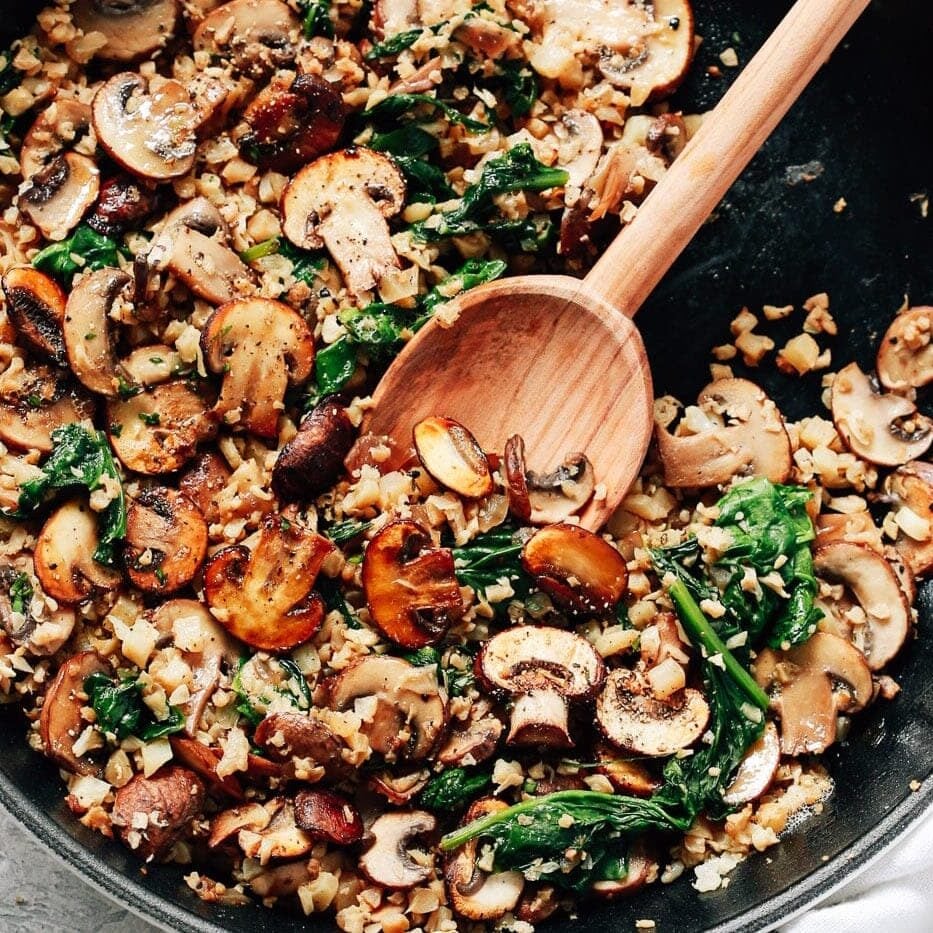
column 149, row 418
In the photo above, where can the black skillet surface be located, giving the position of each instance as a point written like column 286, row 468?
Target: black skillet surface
column 867, row 121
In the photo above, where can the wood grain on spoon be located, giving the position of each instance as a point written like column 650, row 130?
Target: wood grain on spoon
column 557, row 359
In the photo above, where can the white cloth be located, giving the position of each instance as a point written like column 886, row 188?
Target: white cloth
column 895, row 893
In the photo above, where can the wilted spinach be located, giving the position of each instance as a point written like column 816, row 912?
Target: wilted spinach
column 97, row 251
column 121, row 712
column 20, row 594
column 316, row 19
column 409, row 146
column 394, row 106
column 490, row 557
column 394, row 44
column 453, row 789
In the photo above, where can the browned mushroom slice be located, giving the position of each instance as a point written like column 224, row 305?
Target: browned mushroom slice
column 854, row 527
column 265, row 597
column 62, row 556
column 286, row 736
column 59, row 195
column 36, row 306
column 170, row 799
column 253, row 817
column 911, row 490
column 406, row 711
column 576, row 567
column 258, row 36
column 809, row 685
column 133, row 28
column 203, row 761
column 261, row 346
column 42, row 635
column 399, row 789
column 640, row 867
column 282, row 838
column 327, row 816
column 202, row 482
column 342, row 201
column 451, row 455
column 756, row 770
column 388, row 859
column 546, row 498
column 745, row 436
column 291, row 122
column 474, row 741
column 537, row 903
column 905, row 354
column 475, row 894
column 411, row 589
column 312, row 461
column 152, row 365
column 880, row 628
column 882, row 428
column 36, row 400
column 634, row 719
column 86, row 329
column 56, row 129
column 123, row 204
column 544, row 670
column 158, row 431
column 147, row 125
column 166, row 540
column 61, row 722
column 628, row 776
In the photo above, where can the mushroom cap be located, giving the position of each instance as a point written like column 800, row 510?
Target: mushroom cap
column 203, row 480
column 59, row 195
column 911, row 487
column 36, row 306
column 633, row 719
column 580, row 135
column 905, row 354
column 54, row 130
column 756, row 770
column 133, row 28
column 452, row 457
column 883, row 428
column 285, row 736
column 327, row 816
column 203, row 761
column 753, row 440
column 387, row 861
column 281, row 838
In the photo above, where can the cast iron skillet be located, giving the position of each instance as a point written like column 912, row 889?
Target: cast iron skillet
column 863, row 120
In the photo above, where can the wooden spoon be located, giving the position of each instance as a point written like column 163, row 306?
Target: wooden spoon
column 558, row 360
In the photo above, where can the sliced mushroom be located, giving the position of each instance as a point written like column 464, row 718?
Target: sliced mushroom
column 628, row 776
column 475, row 894
column 312, row 461
column 633, row 718
column 253, row 817
column 86, row 329
column 166, row 540
column 61, row 722
column 580, row 144
column 745, row 436
column 399, row 789
column 537, row 903
column 62, row 555
column 261, row 346
column 342, row 202
column 809, row 685
column 265, row 597
column 59, row 195
column 292, row 122
column 42, row 635
column 403, row 708
column 388, row 859
column 756, row 770
column 911, row 490
column 905, row 354
column 882, row 428
column 202, row 482
column 158, row 431
column 203, row 761
column 452, row 457
column 547, row 498
column 853, row 527
column 544, row 670
column 286, row 736
column 153, row 813
column 133, row 28
column 328, row 817
column 281, row 838
column 411, row 588
column 640, row 867
column 55, row 130
column 579, row 569
column 884, row 621
column 147, row 125
column 152, row 365
column 34, row 401
column 36, row 306
column 258, row 36
column 474, row 741
column 123, row 204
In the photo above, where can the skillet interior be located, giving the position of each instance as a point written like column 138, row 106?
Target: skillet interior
column 863, row 119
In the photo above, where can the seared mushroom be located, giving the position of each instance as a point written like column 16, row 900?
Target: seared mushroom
column 905, row 354
column 880, row 628
column 147, row 125
column 635, row 719
column 62, row 555
column 882, row 428
column 43, row 635
column 312, row 461
column 203, row 761
column 55, row 130
column 451, row 455
column 546, row 498
column 261, row 346
column 387, row 861
column 252, row 817
column 342, row 202
column 853, row 527
column 911, row 490
column 405, row 708
column 756, row 770
column 399, row 788
column 544, row 670
column 810, row 684
column 744, row 436
column 203, row 480
column 153, row 813
column 265, row 597
column 286, row 736
column 36, row 306
column 581, row 142
column 411, row 589
column 474, row 741
column 61, row 722
column 133, row 28
column 279, row 838
column 291, row 122
column 59, row 195
column 157, row 431
column 123, row 204
column 326, row 816
column 628, row 776
column 475, row 894
column 166, row 540
column 639, row 865
column 34, row 401
column 152, row 365
column 259, row 36
column 577, row 568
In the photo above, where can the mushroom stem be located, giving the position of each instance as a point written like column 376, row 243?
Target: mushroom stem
column 357, row 236
column 539, row 716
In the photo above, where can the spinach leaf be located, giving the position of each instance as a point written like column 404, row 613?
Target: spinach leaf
column 121, row 711
column 335, row 601
column 423, row 657
column 394, row 44
column 453, row 789
column 81, row 457
column 333, row 368
column 341, row 532
column 305, row 263
column 519, row 87
column 490, row 557
column 316, row 21
column 20, row 594
column 396, row 105
column 258, row 681
column 97, row 251
column 408, row 145
column 10, row 77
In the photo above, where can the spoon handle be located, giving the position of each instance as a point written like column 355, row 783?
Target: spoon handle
column 727, row 140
